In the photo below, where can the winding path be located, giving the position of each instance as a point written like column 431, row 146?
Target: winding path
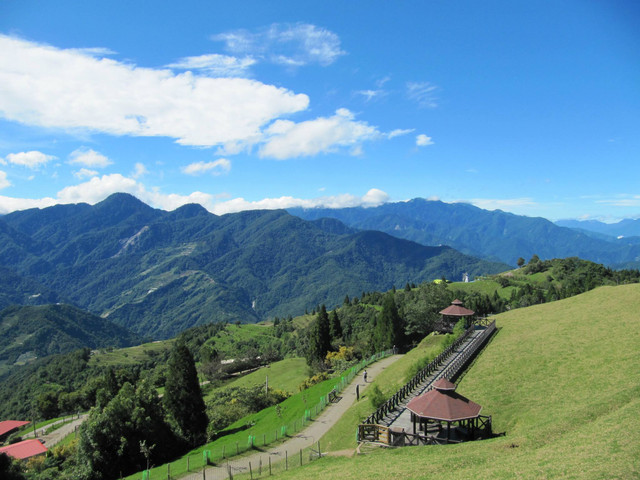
column 307, row 437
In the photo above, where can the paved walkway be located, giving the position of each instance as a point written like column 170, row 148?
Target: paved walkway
column 307, row 437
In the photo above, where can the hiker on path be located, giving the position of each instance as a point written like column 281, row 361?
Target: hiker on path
column 365, row 376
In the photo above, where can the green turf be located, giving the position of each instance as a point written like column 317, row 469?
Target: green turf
column 559, row 379
column 286, row 375
column 343, row 434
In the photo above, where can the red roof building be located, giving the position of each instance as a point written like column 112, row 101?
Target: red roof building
column 457, row 310
column 24, row 449
column 9, row 426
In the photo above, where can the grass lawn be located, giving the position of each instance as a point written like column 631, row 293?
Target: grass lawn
column 343, row 434
column 130, row 355
column 559, row 379
column 284, row 375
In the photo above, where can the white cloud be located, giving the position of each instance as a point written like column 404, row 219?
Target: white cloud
column 214, row 64
column 85, row 173
column 98, row 188
column 286, row 139
column 285, row 44
column 217, row 167
column 423, row 93
column 622, row 200
column 422, row 140
column 70, row 89
column 4, row 183
column 32, row 159
column 140, row 170
column 399, row 132
column 502, row 203
column 88, row 158
column 371, row 94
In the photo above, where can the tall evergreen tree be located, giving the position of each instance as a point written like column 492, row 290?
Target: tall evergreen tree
column 335, row 328
column 389, row 330
column 183, row 397
column 320, row 340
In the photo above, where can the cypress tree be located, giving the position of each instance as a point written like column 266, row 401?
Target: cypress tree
column 183, row 397
column 320, row 341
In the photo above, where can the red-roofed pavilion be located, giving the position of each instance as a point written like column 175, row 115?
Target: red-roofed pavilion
column 455, row 312
column 444, row 404
column 24, row 449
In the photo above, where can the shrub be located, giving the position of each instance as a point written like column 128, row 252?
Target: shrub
column 376, row 396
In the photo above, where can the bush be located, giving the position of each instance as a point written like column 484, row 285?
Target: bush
column 313, row 380
column 376, row 396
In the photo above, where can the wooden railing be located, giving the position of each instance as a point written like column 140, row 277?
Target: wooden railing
column 451, row 370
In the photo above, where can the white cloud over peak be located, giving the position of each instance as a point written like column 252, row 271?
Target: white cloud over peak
column 32, row 159
column 4, row 182
column 285, row 44
column 502, row 203
column 286, row 139
column 422, row 140
column 214, row 64
column 98, row 188
column 217, row 167
column 88, row 158
column 71, row 89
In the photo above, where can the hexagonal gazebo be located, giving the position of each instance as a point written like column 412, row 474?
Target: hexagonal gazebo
column 444, row 405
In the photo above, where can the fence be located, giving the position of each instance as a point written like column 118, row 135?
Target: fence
column 212, row 454
column 449, row 372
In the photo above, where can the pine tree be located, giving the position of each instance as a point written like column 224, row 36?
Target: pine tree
column 335, row 328
column 320, row 340
column 183, row 397
column 389, row 329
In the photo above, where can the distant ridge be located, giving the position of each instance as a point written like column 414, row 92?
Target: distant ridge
column 493, row 235
column 158, row 273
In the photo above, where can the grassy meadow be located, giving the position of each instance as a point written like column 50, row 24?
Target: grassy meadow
column 561, row 380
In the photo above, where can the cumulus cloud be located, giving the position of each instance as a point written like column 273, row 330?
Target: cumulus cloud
column 85, row 173
column 423, row 93
column 214, row 64
column 88, row 158
column 422, row 140
column 4, row 182
column 285, row 44
column 32, row 159
column 71, row 89
column 217, row 167
column 98, row 188
column 139, row 170
column 286, row 139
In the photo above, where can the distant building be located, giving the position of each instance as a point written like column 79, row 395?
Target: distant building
column 25, row 449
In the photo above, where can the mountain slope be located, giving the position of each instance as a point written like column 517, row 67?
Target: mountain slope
column 158, row 272
column 493, row 235
column 36, row 331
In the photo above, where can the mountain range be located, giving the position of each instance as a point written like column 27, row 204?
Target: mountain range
column 158, row 273
column 493, row 235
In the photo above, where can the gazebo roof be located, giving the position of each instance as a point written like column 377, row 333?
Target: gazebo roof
column 444, row 405
column 444, row 384
column 457, row 310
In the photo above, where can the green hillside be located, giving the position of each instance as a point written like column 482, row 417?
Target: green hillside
column 27, row 333
column 559, row 379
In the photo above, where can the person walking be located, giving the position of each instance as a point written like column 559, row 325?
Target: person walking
column 365, row 376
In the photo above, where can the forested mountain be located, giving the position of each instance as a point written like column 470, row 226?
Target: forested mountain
column 624, row 228
column 158, row 273
column 494, row 235
column 30, row 332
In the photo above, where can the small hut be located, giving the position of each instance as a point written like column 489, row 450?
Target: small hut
column 453, row 313
column 443, row 405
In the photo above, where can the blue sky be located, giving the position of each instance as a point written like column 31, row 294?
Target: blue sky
column 530, row 107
